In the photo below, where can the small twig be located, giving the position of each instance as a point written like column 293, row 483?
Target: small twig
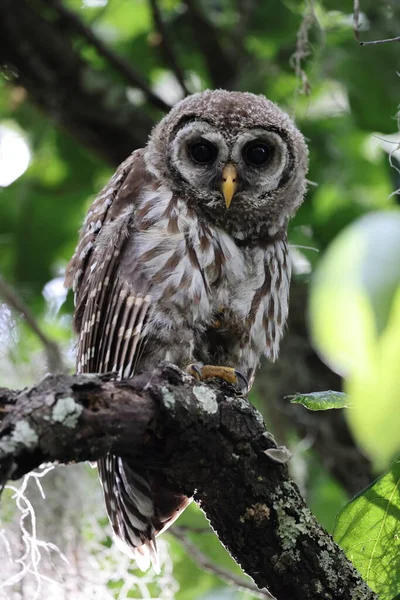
column 356, row 19
column 208, row 565
column 167, row 46
column 387, row 41
column 15, row 302
column 119, row 63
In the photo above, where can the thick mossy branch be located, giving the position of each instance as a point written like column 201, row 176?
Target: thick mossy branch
column 208, row 441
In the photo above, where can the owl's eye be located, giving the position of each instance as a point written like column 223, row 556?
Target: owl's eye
column 257, row 154
column 203, row 152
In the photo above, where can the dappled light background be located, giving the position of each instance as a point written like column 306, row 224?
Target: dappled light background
column 54, row 535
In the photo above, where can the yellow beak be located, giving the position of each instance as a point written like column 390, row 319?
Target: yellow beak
column 229, row 183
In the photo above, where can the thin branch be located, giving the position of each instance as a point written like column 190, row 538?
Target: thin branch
column 356, row 19
column 120, row 64
column 208, row 443
column 15, row 302
column 356, row 28
column 387, row 41
column 211, row 567
column 169, row 53
column 222, row 69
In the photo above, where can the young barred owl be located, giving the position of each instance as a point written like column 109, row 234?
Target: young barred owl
column 184, row 257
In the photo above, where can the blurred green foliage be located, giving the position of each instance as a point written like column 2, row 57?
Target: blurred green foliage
column 344, row 97
column 355, row 318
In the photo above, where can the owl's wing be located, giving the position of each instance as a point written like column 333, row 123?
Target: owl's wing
column 109, row 316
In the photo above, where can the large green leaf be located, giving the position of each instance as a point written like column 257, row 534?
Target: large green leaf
column 368, row 530
column 355, row 323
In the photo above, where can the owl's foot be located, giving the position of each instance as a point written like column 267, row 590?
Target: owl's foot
column 228, row 374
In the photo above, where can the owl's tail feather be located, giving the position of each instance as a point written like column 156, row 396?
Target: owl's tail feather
column 145, row 555
column 130, row 508
column 140, row 506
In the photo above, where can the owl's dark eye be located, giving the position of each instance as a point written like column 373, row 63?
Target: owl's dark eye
column 257, row 154
column 203, row 152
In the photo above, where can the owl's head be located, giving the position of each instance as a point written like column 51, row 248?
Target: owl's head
column 236, row 157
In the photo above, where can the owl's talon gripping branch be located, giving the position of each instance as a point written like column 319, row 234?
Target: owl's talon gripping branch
column 228, row 374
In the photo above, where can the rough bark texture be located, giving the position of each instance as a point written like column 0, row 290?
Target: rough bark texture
column 204, row 438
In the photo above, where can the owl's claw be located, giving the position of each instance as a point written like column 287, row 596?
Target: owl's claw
column 228, row 374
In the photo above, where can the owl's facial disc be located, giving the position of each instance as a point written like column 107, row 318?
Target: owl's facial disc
column 238, row 170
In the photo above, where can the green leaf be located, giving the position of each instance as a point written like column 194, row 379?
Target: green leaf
column 368, row 530
column 375, row 395
column 321, row 400
column 355, row 324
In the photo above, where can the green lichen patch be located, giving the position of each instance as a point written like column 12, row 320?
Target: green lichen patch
column 22, row 434
column 207, row 398
column 168, row 397
column 67, row 412
column 290, row 528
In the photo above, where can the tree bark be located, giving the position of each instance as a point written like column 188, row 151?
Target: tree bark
column 209, row 442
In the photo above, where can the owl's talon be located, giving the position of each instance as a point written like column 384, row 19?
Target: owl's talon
column 242, row 382
column 195, row 371
column 228, row 374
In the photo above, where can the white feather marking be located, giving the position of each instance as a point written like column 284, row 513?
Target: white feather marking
column 85, row 251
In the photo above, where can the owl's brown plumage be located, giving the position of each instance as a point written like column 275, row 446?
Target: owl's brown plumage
column 184, row 257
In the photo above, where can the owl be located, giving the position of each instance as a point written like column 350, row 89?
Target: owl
column 184, row 257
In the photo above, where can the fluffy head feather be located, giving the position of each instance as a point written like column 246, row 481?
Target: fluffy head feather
column 267, row 195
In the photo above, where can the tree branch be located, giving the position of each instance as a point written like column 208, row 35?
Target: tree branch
column 208, row 565
column 222, row 70
column 118, row 62
column 210, row 443
column 169, row 53
column 15, row 302
column 90, row 105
